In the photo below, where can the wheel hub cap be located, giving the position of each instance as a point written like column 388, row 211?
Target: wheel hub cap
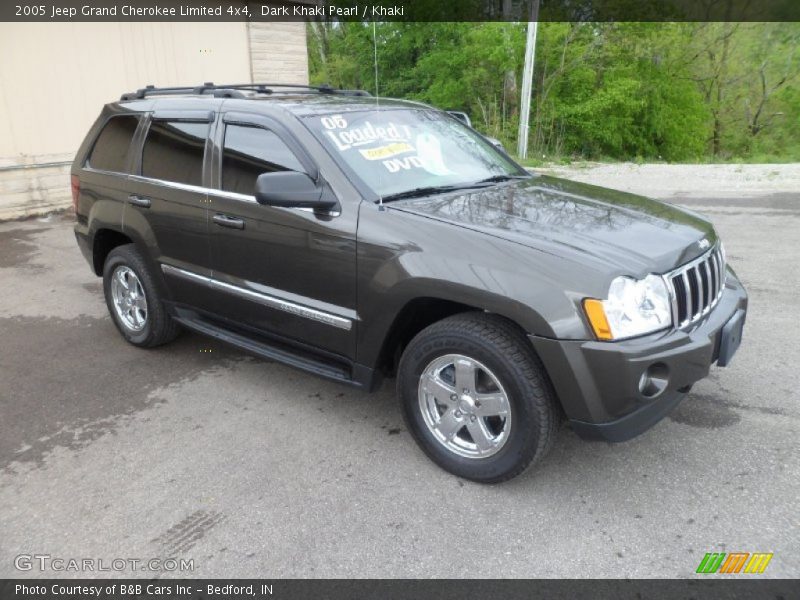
column 464, row 406
column 127, row 295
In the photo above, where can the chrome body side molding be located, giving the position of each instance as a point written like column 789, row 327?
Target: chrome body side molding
column 265, row 299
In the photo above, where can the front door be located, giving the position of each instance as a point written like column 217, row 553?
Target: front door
column 283, row 271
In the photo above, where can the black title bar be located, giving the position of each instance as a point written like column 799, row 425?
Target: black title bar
column 370, row 589
column 401, row 10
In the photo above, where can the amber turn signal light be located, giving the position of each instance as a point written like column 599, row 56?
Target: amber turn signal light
column 597, row 319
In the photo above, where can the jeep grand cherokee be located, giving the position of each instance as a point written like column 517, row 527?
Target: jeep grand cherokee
column 357, row 238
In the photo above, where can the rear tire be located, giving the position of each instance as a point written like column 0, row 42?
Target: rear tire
column 134, row 299
column 490, row 431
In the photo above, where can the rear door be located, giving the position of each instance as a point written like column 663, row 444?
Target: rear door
column 104, row 174
column 284, row 271
column 169, row 200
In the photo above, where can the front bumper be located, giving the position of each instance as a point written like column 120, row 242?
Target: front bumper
column 598, row 383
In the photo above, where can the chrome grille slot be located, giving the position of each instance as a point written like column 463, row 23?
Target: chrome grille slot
column 713, row 272
column 705, row 288
column 696, row 287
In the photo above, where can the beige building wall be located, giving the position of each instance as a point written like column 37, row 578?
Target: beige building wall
column 55, row 78
column 278, row 52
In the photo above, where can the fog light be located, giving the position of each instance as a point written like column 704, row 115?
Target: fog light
column 654, row 380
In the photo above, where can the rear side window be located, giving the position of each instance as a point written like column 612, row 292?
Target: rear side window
column 112, row 148
column 173, row 151
column 249, row 151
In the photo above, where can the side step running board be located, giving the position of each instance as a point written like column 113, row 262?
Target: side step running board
column 265, row 350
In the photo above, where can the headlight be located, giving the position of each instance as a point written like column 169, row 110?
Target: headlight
column 632, row 308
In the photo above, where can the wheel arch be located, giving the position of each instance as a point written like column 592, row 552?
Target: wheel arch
column 413, row 317
column 422, row 311
column 104, row 241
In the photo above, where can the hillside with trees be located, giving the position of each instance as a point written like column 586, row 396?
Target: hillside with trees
column 619, row 91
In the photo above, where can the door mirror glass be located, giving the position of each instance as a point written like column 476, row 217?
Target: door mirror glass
column 496, row 143
column 290, row 189
column 461, row 116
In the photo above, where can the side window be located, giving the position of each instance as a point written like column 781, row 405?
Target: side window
column 249, row 151
column 173, row 151
column 112, row 147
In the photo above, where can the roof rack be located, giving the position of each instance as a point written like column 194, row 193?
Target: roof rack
column 234, row 90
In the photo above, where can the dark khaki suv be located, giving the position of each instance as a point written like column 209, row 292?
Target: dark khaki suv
column 357, row 239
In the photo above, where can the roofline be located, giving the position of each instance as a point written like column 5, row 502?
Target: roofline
column 237, row 90
column 299, row 105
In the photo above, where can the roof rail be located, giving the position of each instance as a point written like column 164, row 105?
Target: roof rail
column 234, row 90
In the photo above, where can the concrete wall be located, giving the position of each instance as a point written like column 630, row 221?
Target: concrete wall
column 55, row 77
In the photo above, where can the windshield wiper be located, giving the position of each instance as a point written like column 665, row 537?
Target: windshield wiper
column 440, row 189
column 423, row 191
column 501, row 178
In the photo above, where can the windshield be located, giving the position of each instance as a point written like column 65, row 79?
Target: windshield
column 403, row 150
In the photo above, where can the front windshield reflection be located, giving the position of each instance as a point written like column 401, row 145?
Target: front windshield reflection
column 397, row 150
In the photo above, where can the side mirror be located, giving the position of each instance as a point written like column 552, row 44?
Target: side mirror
column 461, row 116
column 291, row 189
column 495, row 142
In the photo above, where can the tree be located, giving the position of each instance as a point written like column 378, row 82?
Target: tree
column 673, row 91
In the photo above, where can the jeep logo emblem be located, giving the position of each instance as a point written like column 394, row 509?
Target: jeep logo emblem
column 704, row 243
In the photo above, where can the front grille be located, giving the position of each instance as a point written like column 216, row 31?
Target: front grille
column 696, row 287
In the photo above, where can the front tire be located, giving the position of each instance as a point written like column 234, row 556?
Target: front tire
column 477, row 398
column 134, row 299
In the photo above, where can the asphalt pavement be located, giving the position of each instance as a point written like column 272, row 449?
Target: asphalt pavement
column 247, row 468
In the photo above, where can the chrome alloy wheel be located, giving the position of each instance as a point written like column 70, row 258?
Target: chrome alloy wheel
column 128, row 296
column 464, row 406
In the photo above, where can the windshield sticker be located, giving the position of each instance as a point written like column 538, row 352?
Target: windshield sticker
column 398, row 149
column 333, row 122
column 388, row 142
column 395, row 165
column 429, row 151
column 352, row 137
column 386, row 151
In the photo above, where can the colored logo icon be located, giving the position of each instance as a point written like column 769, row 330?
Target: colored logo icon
column 734, row 562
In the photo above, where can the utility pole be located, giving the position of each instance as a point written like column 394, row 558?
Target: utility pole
column 527, row 81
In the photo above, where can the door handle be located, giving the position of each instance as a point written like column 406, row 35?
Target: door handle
column 139, row 201
column 226, row 221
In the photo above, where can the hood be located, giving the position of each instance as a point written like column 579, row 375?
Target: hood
column 630, row 233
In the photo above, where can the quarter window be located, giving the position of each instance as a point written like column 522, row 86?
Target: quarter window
column 173, row 151
column 112, row 148
column 249, row 151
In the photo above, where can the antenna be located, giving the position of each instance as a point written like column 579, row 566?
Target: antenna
column 377, row 97
column 375, row 57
